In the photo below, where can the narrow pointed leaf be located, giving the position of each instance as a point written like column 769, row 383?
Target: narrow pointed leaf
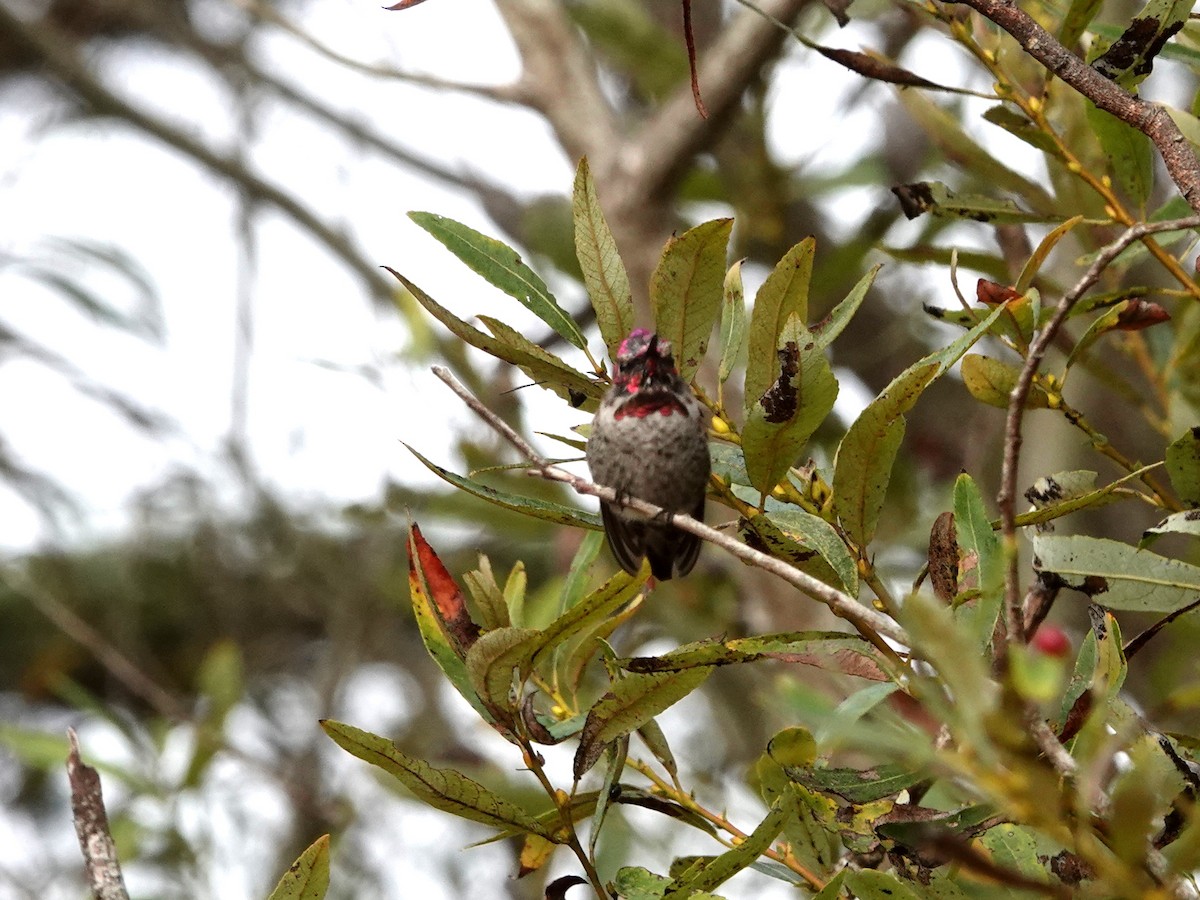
column 858, row 785
column 577, row 389
column 530, row 506
column 632, row 701
column 937, row 199
column 834, row 651
column 729, row 863
column 980, row 545
column 733, row 321
column 1130, row 58
column 784, row 294
column 501, row 265
column 444, row 789
column 947, row 132
column 604, row 273
column 308, row 877
column 865, row 457
column 552, row 372
column 686, row 290
column 1034, row 264
column 782, row 419
column 827, row 330
column 489, row 599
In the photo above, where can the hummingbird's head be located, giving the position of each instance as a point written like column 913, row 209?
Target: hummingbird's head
column 644, row 361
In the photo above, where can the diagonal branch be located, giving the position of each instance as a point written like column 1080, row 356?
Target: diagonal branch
column 91, row 826
column 63, row 62
column 1006, row 499
column 870, row 623
column 1149, row 118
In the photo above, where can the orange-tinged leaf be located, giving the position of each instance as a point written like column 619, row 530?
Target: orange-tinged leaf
column 426, row 569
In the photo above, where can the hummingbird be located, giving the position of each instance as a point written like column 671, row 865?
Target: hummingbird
column 649, row 440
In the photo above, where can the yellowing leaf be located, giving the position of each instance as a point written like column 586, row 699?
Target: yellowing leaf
column 686, row 290
column 308, row 877
column 604, row 273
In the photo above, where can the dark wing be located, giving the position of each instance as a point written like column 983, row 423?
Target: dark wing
column 673, row 553
column 626, row 539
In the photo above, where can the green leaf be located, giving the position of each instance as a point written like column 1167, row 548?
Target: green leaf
column 629, row 704
column 1023, row 128
column 733, row 321
column 574, row 387
column 1117, row 575
column 529, row 506
column 814, row 532
column 493, row 609
column 991, row 381
column 444, row 789
column 636, row 883
column 501, row 265
column 1066, row 492
column 834, row 651
column 545, row 368
column 857, row 785
column 937, row 199
column 604, row 273
column 976, row 539
column 782, row 419
column 686, row 290
column 495, row 658
column 1185, row 522
column 308, row 877
column 1034, row 264
column 593, row 608
column 1130, row 153
column 946, row 131
column 827, row 330
column 863, row 466
column 1183, row 467
column 783, row 295
column 729, row 863
column 1014, row 847
column 1075, row 22
column 871, row 884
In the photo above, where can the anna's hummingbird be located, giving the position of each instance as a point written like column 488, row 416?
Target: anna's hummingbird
column 649, row 440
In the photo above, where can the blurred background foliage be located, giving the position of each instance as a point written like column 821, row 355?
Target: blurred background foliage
column 196, row 649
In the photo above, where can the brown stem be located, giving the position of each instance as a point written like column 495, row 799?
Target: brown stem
column 1149, row 118
column 91, row 826
column 1006, row 498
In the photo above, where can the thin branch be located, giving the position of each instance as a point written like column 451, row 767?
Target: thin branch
column 271, row 15
column 62, row 61
column 869, row 622
column 1149, row 118
column 1006, row 499
column 91, row 826
column 117, row 664
column 1052, row 747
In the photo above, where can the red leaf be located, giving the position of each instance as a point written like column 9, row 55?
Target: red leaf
column 993, row 293
column 449, row 602
column 1139, row 314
